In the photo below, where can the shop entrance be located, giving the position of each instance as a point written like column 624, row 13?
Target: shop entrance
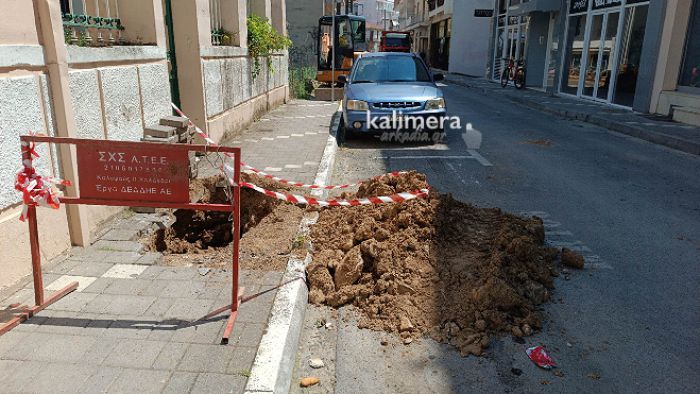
column 603, row 52
column 510, row 43
column 599, row 56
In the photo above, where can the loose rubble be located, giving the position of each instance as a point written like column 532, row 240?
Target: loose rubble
column 433, row 266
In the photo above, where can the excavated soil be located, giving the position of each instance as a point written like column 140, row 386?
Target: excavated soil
column 204, row 237
column 433, row 266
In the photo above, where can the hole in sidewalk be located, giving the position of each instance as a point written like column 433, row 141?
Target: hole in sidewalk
column 204, row 237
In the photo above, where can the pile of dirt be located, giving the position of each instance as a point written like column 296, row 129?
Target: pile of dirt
column 204, row 237
column 434, row 266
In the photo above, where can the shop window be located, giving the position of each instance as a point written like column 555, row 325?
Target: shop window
column 574, row 51
column 630, row 54
column 690, row 71
column 554, row 53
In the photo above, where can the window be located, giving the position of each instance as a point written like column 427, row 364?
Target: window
column 390, row 69
column 502, row 6
column 574, row 52
column 630, row 54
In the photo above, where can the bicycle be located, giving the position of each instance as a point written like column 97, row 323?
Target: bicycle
column 513, row 73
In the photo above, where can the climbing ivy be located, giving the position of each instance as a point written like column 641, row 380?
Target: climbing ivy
column 263, row 41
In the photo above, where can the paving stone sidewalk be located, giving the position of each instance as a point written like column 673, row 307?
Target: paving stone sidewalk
column 132, row 324
column 289, row 140
column 655, row 129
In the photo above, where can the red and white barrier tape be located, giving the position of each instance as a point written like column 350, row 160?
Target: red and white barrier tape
column 36, row 190
column 303, row 200
column 309, row 186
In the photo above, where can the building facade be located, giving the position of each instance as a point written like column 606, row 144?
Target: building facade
column 413, row 17
column 450, row 35
column 440, row 33
column 110, row 75
column 676, row 80
column 380, row 16
column 527, row 31
column 635, row 54
column 302, row 24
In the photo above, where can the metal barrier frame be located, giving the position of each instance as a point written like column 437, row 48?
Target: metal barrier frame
column 148, row 147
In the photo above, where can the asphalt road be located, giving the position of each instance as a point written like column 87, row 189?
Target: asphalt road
column 630, row 322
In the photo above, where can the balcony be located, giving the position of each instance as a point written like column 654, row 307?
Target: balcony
column 96, row 23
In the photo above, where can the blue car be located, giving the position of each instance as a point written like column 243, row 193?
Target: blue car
column 389, row 92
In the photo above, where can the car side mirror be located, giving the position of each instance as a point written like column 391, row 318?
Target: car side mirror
column 342, row 78
column 438, row 77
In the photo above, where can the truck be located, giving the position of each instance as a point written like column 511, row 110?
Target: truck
column 395, row 41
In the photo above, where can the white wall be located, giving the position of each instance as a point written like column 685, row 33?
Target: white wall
column 469, row 45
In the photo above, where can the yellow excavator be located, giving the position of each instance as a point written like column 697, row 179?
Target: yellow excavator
column 349, row 40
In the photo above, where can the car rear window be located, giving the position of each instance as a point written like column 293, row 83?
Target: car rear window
column 390, row 69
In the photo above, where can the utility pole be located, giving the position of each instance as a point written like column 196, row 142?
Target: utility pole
column 334, row 41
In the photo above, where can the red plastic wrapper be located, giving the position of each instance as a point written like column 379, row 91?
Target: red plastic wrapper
column 540, row 357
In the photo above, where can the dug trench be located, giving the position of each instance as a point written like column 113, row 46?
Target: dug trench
column 431, row 266
column 203, row 238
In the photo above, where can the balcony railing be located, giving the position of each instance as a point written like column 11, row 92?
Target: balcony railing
column 219, row 35
column 102, row 28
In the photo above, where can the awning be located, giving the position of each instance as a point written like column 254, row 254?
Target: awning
column 534, row 6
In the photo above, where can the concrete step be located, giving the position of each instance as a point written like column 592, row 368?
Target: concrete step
column 160, row 131
column 185, row 137
column 169, row 140
column 174, row 121
column 687, row 115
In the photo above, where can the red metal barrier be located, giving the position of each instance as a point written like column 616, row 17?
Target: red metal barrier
column 141, row 174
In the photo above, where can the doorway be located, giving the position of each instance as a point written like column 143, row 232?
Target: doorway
column 171, row 56
column 603, row 53
column 599, row 56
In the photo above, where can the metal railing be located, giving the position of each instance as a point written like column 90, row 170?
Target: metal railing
column 101, row 26
column 218, row 34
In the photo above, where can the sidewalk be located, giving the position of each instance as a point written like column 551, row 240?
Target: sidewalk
column 130, row 326
column 651, row 128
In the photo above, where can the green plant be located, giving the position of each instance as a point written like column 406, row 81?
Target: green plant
column 83, row 39
column 245, row 373
column 263, row 41
column 301, row 81
column 299, row 241
column 67, row 35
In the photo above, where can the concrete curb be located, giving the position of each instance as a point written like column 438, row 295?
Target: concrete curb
column 666, row 140
column 274, row 361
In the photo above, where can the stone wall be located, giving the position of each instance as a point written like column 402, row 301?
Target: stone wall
column 111, row 102
column 117, row 103
column 230, row 90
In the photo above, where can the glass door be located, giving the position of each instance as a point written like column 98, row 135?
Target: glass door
column 574, row 54
column 592, row 56
column 600, row 56
column 512, row 47
column 607, row 56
